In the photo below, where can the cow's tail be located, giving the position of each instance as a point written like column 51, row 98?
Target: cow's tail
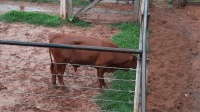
column 52, row 64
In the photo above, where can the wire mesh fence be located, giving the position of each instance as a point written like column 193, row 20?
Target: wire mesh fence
column 25, row 85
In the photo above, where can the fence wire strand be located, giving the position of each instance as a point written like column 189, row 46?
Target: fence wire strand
column 75, row 76
column 117, row 68
column 74, row 87
column 70, row 97
column 59, row 107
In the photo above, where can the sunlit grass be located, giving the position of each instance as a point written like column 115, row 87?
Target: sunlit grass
column 38, row 18
column 35, row 18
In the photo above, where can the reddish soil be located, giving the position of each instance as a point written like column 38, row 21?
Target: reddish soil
column 174, row 81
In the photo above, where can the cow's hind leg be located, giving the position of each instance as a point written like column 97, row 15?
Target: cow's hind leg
column 101, row 82
column 61, row 70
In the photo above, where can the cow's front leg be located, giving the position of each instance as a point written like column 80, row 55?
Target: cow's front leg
column 101, row 82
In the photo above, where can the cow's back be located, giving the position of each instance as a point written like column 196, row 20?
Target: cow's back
column 81, row 56
column 80, row 40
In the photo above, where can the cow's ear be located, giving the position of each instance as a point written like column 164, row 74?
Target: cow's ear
column 131, row 58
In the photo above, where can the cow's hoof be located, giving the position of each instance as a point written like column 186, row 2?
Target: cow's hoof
column 105, row 86
column 101, row 90
column 2, row 87
column 55, row 86
column 64, row 89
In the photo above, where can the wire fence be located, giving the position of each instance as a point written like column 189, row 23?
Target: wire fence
column 33, row 84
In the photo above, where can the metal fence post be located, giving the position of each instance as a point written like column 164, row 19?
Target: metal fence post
column 143, row 79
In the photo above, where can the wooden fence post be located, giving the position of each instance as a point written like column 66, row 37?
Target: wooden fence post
column 138, row 15
column 137, row 86
column 69, row 8
column 136, row 10
column 63, row 9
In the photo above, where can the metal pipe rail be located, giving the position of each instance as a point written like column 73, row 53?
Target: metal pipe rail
column 66, row 46
column 144, row 57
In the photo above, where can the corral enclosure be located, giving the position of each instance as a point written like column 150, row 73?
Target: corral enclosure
column 25, row 75
column 174, row 75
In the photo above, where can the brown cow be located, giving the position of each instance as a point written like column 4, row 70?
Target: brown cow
column 86, row 57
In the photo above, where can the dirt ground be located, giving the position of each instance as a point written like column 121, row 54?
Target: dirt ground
column 173, row 84
column 174, row 81
column 26, row 69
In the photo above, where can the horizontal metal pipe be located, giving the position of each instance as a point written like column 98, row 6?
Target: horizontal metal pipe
column 67, row 46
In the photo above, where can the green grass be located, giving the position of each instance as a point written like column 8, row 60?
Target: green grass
column 44, row 1
column 35, row 18
column 81, row 23
column 75, row 2
column 127, row 38
column 81, row 2
column 38, row 18
column 170, row 1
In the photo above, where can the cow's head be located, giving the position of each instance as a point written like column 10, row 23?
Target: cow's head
column 131, row 63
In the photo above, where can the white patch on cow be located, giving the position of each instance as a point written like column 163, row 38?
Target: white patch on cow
column 52, row 57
